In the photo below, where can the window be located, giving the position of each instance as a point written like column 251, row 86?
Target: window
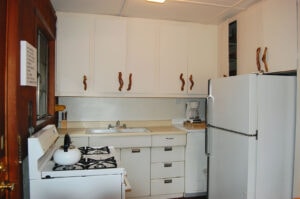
column 232, row 39
column 42, row 76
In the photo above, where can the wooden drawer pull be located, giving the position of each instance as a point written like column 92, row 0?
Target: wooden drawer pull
column 258, row 59
column 130, row 82
column 121, row 82
column 167, row 164
column 264, row 59
column 135, row 150
column 168, row 148
column 192, row 82
column 84, row 82
column 168, row 181
column 182, row 81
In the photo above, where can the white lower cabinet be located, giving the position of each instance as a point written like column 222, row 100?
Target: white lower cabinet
column 195, row 164
column 136, row 162
column 167, row 165
column 155, row 164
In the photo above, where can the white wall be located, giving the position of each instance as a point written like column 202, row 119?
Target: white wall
column 112, row 109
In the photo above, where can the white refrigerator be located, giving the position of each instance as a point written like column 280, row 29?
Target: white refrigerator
column 250, row 137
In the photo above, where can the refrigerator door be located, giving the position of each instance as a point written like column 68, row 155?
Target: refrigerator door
column 232, row 103
column 229, row 169
column 276, row 132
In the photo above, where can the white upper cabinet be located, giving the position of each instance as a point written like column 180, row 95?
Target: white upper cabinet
column 280, row 34
column 249, row 38
column 270, row 24
column 202, row 57
column 73, row 50
column 142, row 55
column 173, row 58
column 110, row 55
column 188, row 58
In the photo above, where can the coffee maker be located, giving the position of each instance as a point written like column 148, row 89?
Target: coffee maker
column 192, row 111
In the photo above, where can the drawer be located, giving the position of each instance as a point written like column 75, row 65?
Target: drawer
column 168, row 140
column 167, row 154
column 167, row 169
column 120, row 141
column 167, row 186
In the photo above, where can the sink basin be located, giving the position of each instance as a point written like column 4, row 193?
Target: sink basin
column 102, row 130
column 134, row 130
column 117, row 130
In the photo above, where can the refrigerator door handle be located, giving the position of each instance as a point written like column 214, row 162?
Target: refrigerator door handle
column 207, row 143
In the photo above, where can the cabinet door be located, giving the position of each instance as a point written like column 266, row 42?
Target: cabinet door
column 73, row 49
column 271, row 24
column 249, row 32
column 110, row 54
column 202, row 57
column 280, row 34
column 173, row 58
column 136, row 162
column 195, row 163
column 142, row 55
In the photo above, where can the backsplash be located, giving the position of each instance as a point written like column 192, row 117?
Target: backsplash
column 112, row 109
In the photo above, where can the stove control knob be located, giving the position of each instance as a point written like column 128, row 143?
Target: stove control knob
column 7, row 186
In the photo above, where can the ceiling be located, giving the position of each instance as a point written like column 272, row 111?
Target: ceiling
column 199, row 11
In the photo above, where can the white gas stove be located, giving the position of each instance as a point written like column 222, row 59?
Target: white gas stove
column 96, row 176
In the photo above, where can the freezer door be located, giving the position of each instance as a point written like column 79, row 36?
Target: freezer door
column 232, row 103
column 231, row 166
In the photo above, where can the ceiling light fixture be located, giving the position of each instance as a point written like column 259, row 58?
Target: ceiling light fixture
column 157, row 1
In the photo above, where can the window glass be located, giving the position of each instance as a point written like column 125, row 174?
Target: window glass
column 232, row 34
column 42, row 76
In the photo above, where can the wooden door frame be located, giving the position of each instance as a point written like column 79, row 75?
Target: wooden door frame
column 3, row 60
column 11, row 97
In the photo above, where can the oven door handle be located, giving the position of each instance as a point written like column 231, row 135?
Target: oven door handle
column 127, row 184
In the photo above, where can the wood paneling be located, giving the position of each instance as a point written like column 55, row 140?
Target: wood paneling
column 24, row 17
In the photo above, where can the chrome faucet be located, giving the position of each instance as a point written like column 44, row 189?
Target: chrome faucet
column 118, row 125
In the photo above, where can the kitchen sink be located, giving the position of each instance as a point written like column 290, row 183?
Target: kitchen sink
column 117, row 130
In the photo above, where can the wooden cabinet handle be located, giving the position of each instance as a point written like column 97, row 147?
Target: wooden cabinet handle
column 84, row 82
column 192, row 82
column 264, row 59
column 257, row 59
column 182, row 81
column 130, row 82
column 121, row 82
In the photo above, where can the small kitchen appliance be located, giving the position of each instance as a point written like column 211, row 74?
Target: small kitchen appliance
column 192, row 110
column 96, row 175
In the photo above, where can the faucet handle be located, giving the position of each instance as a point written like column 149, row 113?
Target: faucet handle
column 110, row 126
column 124, row 126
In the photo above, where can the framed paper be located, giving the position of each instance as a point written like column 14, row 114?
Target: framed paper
column 28, row 64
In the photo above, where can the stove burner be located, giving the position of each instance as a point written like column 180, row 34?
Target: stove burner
column 94, row 151
column 58, row 167
column 88, row 163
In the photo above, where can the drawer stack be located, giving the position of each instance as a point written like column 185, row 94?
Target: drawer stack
column 167, row 164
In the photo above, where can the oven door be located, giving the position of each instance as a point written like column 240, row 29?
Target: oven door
column 92, row 187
